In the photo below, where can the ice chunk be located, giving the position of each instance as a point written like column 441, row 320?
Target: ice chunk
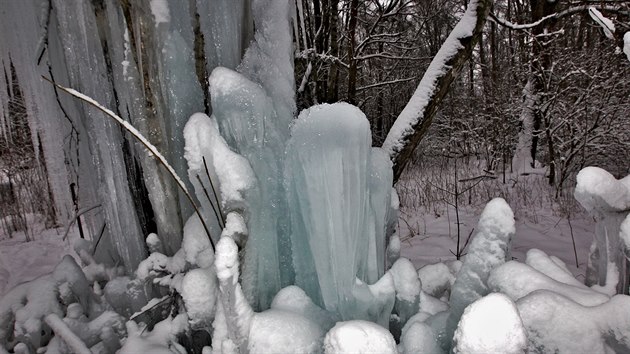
column 490, row 325
column 516, row 280
column 626, row 44
column 327, row 158
column 278, row 331
column 489, row 248
column 359, row 337
column 154, row 244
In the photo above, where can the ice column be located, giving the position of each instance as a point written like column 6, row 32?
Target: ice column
column 608, row 201
column 327, row 157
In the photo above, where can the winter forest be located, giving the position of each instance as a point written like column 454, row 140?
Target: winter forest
column 314, row 176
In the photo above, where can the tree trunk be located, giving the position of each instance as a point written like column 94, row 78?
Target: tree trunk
column 415, row 119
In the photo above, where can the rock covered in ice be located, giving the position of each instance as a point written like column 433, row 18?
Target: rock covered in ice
column 359, row 337
column 489, row 249
column 279, row 331
column 608, row 201
column 516, row 280
column 556, row 324
column 490, row 325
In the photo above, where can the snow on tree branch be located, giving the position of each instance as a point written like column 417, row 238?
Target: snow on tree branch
column 606, row 24
column 415, row 119
column 567, row 12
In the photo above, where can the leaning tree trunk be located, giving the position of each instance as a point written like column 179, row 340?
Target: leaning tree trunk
column 415, row 119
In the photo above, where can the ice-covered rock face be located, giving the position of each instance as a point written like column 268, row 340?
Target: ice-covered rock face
column 490, row 325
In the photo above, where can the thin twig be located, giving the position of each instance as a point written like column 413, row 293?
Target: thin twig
column 214, row 191
column 205, row 191
column 98, row 240
column 76, row 217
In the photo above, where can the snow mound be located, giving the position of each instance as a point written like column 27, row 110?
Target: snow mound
column 490, row 325
column 517, row 280
column 598, row 190
column 278, row 331
column 359, row 337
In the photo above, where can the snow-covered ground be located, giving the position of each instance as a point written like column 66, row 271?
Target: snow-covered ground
column 22, row 261
column 426, row 238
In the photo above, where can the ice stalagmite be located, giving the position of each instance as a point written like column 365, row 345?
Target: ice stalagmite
column 250, row 126
column 489, row 249
column 327, row 157
column 608, row 201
